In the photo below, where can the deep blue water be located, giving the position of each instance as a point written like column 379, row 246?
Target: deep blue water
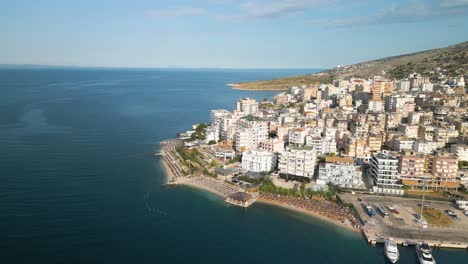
column 79, row 183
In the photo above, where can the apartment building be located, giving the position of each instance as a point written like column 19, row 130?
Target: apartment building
column 384, row 172
column 341, row 172
column 247, row 106
column 297, row 163
column 258, row 161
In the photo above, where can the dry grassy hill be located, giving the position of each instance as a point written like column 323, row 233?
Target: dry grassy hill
column 454, row 59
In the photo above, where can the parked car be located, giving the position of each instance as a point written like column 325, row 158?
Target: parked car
column 425, row 205
column 450, row 212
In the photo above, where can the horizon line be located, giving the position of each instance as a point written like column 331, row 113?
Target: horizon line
column 26, row 65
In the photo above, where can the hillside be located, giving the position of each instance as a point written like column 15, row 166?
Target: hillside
column 454, row 59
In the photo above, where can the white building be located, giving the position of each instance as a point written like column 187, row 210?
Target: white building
column 328, row 146
column 424, row 147
column 258, row 161
column 297, row 136
column 215, row 118
column 461, row 151
column 341, row 172
column 297, row 163
column 228, row 127
column 250, row 131
column 384, row 172
column 375, row 106
column 247, row 106
column 402, row 143
column 315, row 142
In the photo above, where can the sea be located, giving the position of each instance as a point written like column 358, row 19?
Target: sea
column 79, row 182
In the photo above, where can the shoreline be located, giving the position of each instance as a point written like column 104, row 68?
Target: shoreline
column 167, row 171
column 171, row 179
column 195, row 186
column 308, row 213
column 235, row 86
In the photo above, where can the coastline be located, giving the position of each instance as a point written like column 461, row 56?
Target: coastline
column 172, row 179
column 195, row 186
column 203, row 183
column 308, row 213
column 167, row 171
column 236, row 86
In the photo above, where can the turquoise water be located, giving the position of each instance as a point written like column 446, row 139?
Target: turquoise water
column 79, row 183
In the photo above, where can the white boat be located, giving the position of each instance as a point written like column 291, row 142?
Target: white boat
column 391, row 250
column 424, row 253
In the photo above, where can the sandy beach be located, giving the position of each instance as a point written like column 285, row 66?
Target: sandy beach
column 223, row 189
column 168, row 174
column 308, row 213
column 197, row 186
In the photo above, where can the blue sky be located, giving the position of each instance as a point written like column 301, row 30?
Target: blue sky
column 224, row 33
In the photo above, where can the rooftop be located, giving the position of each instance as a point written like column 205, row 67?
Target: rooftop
column 241, row 196
column 339, row 160
column 253, row 118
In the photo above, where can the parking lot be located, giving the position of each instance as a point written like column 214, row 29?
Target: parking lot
column 404, row 221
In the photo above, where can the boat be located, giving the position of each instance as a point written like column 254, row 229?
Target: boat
column 424, row 253
column 391, row 250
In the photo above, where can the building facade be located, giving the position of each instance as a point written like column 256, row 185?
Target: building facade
column 297, row 163
column 258, row 161
column 341, row 172
column 384, row 172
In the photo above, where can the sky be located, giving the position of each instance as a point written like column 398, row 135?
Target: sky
column 224, row 33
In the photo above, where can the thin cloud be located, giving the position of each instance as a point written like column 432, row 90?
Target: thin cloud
column 411, row 12
column 454, row 3
column 258, row 10
column 176, row 12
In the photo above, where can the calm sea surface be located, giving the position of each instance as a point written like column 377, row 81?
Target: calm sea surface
column 79, row 183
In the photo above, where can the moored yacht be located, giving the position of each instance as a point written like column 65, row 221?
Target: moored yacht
column 391, row 250
column 424, row 253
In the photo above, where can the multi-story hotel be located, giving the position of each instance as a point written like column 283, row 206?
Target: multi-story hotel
column 341, row 172
column 413, row 169
column 297, row 163
column 444, row 169
column 250, row 131
column 247, row 106
column 384, row 172
column 258, row 161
